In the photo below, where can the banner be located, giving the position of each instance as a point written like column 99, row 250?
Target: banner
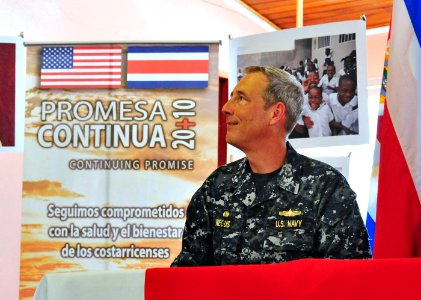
column 398, row 218
column 113, row 153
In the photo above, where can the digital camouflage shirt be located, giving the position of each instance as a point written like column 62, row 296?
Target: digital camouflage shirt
column 306, row 210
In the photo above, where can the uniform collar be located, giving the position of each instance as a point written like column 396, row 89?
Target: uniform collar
column 289, row 176
column 287, row 179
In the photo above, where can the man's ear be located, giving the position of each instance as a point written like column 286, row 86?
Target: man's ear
column 278, row 113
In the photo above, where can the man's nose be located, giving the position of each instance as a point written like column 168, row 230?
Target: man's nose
column 227, row 108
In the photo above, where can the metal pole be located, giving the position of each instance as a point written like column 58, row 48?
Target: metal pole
column 300, row 13
column 74, row 43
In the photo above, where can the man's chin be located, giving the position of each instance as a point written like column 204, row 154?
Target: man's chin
column 232, row 141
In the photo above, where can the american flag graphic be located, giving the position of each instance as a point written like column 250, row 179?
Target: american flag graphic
column 168, row 67
column 81, row 67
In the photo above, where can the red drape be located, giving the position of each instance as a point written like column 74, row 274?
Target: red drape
column 7, row 94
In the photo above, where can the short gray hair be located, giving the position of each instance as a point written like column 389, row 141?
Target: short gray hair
column 282, row 87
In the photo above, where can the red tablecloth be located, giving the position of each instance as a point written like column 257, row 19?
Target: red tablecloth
column 302, row 279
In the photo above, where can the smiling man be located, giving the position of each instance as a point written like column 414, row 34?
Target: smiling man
column 274, row 205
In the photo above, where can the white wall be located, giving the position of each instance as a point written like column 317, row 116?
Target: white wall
column 99, row 20
column 10, row 216
column 127, row 20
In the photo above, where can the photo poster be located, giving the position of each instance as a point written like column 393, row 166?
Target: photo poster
column 285, row 49
column 109, row 172
column 12, row 97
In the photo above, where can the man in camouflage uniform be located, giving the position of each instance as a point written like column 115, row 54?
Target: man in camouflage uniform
column 274, row 205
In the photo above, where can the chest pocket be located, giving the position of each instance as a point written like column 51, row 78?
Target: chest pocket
column 226, row 233
column 288, row 238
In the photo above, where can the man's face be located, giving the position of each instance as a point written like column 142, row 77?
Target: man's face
column 314, row 98
column 346, row 91
column 246, row 116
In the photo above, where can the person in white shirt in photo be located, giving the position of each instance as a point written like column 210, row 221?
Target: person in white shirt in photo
column 317, row 116
column 344, row 105
column 329, row 82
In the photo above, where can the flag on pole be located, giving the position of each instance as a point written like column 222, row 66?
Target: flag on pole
column 167, row 66
column 81, row 67
column 398, row 218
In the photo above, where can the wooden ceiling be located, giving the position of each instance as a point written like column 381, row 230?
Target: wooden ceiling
column 282, row 13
